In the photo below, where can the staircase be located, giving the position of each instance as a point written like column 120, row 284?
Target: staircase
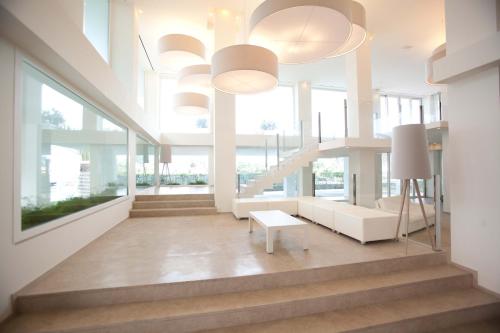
column 420, row 293
column 173, row 205
column 301, row 158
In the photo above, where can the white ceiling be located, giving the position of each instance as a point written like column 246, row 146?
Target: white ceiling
column 404, row 33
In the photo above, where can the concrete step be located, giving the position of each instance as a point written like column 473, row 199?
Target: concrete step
column 172, row 204
column 173, row 197
column 161, row 212
column 166, row 291
column 424, row 313
column 249, row 307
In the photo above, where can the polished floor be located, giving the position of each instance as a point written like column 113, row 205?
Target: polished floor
column 421, row 235
column 145, row 251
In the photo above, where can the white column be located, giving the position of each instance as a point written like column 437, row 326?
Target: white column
column 360, row 123
column 359, row 92
column 224, row 126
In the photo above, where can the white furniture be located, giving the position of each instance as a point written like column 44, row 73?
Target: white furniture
column 392, row 205
column 275, row 220
column 361, row 223
column 365, row 224
column 242, row 207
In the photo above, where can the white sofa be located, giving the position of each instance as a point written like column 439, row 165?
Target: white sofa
column 416, row 222
column 241, row 207
column 363, row 224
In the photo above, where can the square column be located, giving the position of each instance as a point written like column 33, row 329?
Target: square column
column 224, row 121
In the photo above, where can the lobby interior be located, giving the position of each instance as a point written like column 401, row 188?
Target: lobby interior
column 141, row 137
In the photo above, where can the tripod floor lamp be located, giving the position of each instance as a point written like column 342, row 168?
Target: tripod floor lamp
column 410, row 161
column 165, row 158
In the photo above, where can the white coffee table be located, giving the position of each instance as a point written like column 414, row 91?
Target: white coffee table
column 275, row 220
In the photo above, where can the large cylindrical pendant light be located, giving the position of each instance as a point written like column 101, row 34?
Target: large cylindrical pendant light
column 301, row 31
column 178, row 51
column 191, row 103
column 358, row 34
column 244, row 69
column 195, row 77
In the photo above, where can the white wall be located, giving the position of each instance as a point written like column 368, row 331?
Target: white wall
column 474, row 137
column 21, row 263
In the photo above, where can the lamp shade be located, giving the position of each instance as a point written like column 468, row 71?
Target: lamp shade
column 165, row 153
column 195, row 77
column 301, row 31
column 410, row 157
column 358, row 34
column 244, row 69
column 191, row 103
column 178, row 51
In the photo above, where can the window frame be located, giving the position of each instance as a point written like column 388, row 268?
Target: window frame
column 20, row 235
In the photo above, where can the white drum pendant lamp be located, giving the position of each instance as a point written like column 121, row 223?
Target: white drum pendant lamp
column 244, row 69
column 178, row 51
column 191, row 103
column 301, row 31
column 358, row 34
column 195, row 77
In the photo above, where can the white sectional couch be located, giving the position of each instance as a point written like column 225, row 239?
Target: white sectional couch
column 416, row 222
column 241, row 207
column 363, row 224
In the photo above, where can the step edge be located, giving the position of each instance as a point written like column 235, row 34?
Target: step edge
column 294, row 303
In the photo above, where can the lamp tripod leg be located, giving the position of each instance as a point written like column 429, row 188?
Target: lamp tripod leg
column 423, row 214
column 407, row 213
column 403, row 197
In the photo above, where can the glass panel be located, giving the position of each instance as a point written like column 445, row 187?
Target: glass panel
column 72, row 156
column 331, row 176
column 173, row 122
column 267, row 113
column 189, row 166
column 144, row 163
column 96, row 25
column 141, row 75
column 386, row 192
column 331, row 105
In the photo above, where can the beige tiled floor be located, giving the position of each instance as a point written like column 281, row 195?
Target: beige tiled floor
column 160, row 250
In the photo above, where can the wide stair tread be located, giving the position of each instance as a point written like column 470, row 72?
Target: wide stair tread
column 185, row 211
column 173, row 204
column 417, row 314
column 173, row 197
column 194, row 313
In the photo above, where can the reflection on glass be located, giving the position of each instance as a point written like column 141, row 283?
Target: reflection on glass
column 332, row 177
column 189, row 166
column 72, row 156
column 144, row 163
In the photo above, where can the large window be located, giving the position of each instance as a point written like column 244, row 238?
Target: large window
column 330, row 103
column 332, row 177
column 96, row 25
column 267, row 113
column 173, row 122
column 72, row 156
column 395, row 111
column 144, row 163
column 190, row 166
